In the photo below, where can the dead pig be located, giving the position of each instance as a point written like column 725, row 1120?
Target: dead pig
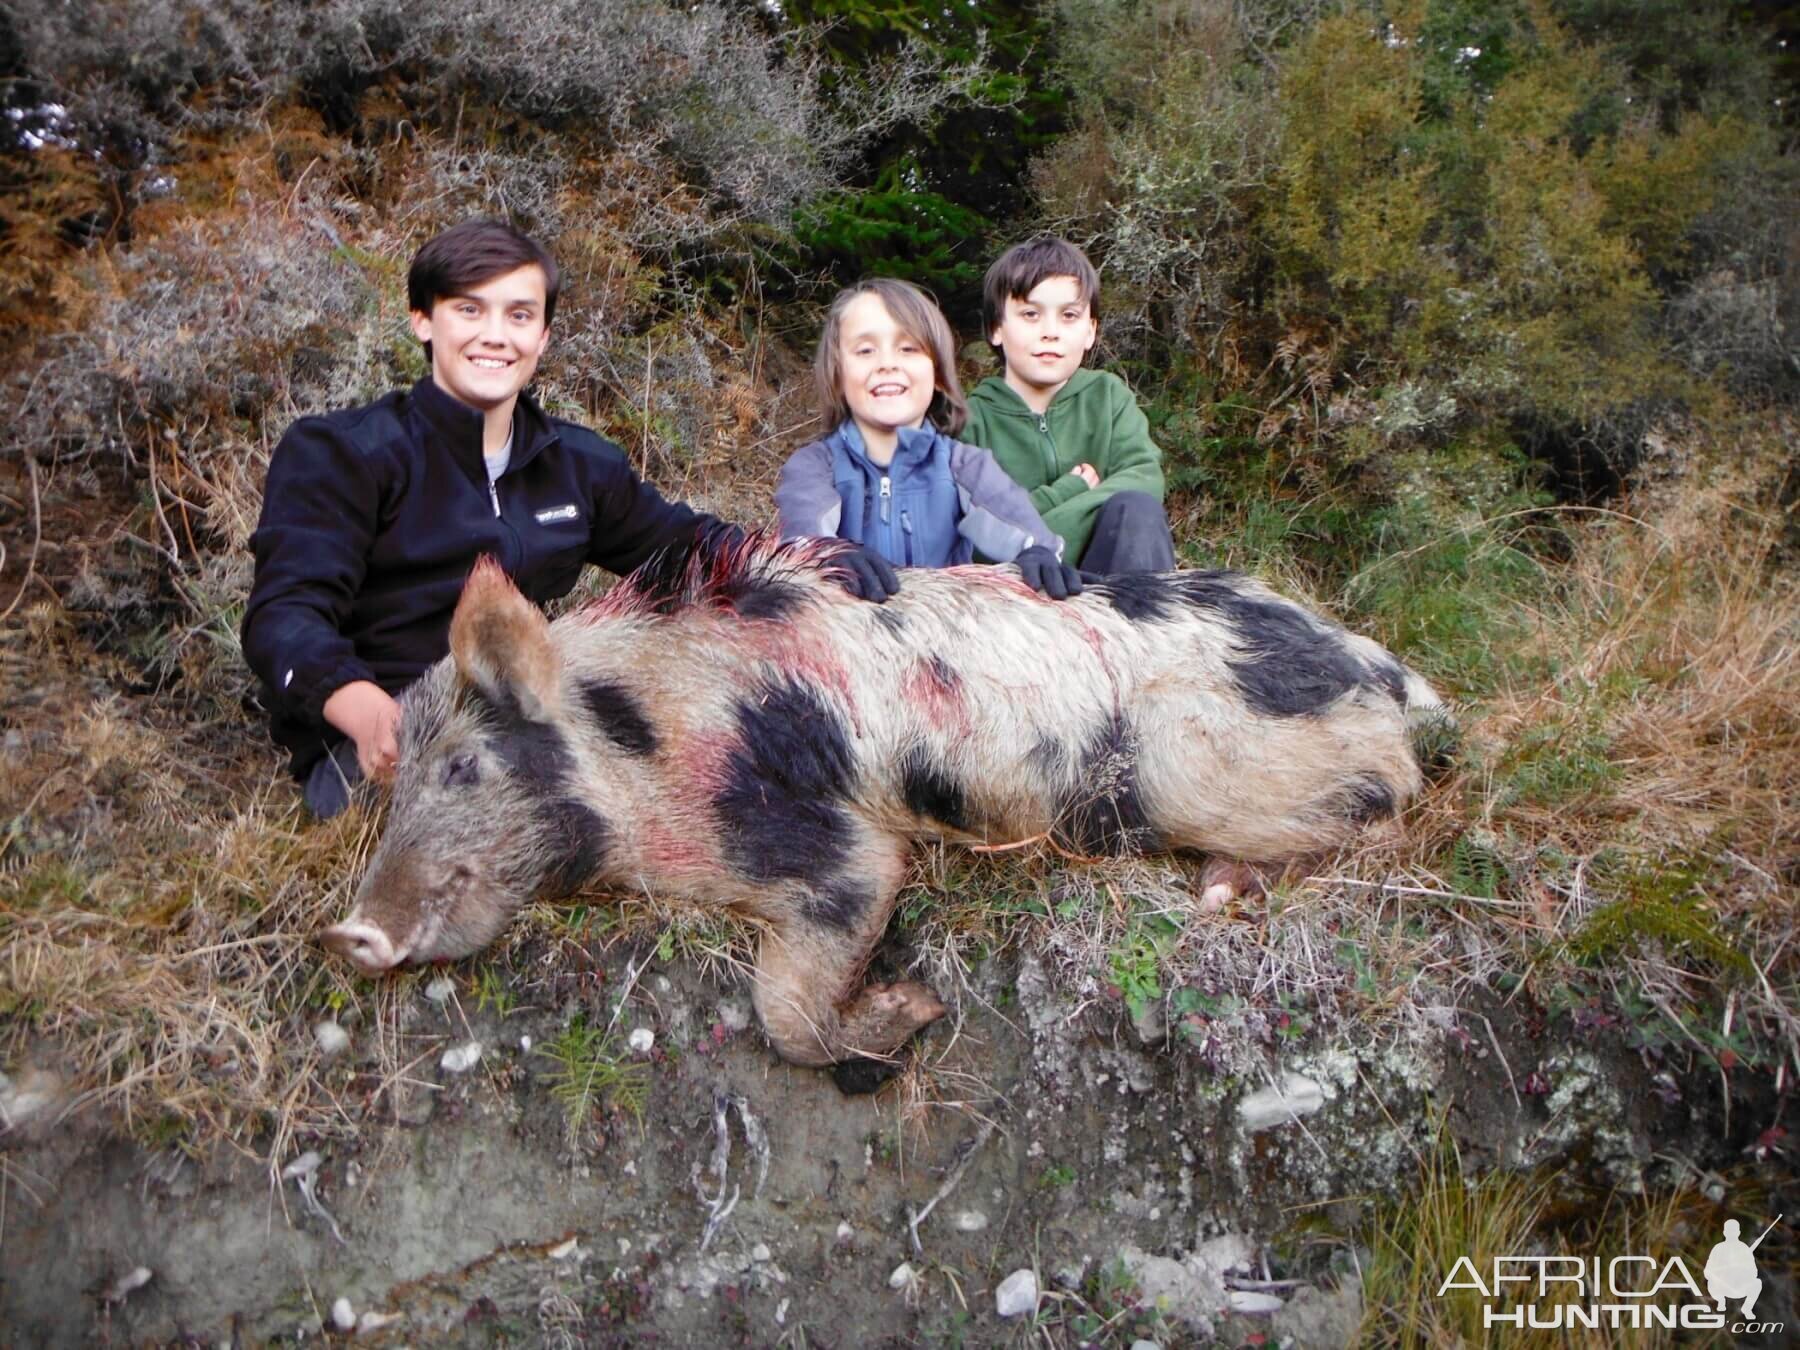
column 754, row 737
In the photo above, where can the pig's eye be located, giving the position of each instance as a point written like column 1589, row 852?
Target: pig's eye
column 462, row 771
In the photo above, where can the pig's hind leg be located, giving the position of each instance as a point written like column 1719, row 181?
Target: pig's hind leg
column 808, row 988
column 1223, row 880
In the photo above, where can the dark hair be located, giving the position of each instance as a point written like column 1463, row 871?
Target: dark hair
column 916, row 314
column 468, row 254
column 1020, row 270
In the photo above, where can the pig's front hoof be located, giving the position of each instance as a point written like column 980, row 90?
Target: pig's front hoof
column 860, row 1076
column 883, row 1016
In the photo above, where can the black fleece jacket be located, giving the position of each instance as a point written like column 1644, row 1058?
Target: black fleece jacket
column 373, row 517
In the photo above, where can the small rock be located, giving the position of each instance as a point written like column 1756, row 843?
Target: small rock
column 32, row 1092
column 461, row 1058
column 760, row 1252
column 641, row 1040
column 1291, row 1097
column 126, row 1283
column 1252, row 1301
column 1017, row 1294
column 331, row 1038
column 375, row 1321
column 1145, row 1345
column 1151, row 1022
column 734, row 1014
column 845, row 1233
column 440, row 990
column 781, row 1312
column 971, row 1221
column 903, row 1275
column 1191, row 1291
column 1227, row 1251
column 662, row 984
column 343, row 1316
column 525, row 1044
column 562, row 1251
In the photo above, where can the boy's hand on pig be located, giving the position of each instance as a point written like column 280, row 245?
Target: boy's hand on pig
column 865, row 574
column 1047, row 574
column 369, row 716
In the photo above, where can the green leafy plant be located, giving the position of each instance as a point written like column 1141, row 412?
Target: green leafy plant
column 589, row 1073
column 1136, row 963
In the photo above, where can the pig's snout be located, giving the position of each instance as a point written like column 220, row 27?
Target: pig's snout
column 368, row 948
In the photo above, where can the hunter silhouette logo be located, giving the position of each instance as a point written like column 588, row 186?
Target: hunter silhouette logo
column 1632, row 1290
column 1731, row 1269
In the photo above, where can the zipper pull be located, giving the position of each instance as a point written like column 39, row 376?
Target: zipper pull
column 906, row 521
column 1043, row 424
column 494, row 496
column 887, row 499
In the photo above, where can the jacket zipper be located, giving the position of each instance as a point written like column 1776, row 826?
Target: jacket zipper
column 512, row 545
column 1050, row 470
column 887, row 499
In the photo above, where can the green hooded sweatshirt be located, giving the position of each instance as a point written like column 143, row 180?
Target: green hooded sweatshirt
column 1092, row 420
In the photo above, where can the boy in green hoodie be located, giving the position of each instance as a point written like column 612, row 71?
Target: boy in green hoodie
column 1074, row 439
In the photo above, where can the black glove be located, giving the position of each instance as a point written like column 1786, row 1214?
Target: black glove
column 865, row 574
column 1045, row 573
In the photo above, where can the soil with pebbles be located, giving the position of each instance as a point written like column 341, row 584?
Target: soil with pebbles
column 756, row 1204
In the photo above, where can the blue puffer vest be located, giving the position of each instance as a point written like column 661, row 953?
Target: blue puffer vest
column 907, row 511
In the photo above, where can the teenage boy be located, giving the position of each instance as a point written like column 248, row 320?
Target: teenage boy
column 1074, row 439
column 372, row 517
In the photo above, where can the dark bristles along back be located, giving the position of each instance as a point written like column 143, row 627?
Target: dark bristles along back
column 750, row 573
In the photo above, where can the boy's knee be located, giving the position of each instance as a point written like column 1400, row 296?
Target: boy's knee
column 1131, row 534
column 327, row 786
column 1133, row 510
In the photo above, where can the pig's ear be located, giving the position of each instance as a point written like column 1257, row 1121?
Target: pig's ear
column 501, row 644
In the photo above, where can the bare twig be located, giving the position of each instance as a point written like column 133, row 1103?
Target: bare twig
column 966, row 1152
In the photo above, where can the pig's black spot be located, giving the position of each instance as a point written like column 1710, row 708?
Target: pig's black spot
column 582, row 833
column 889, row 618
column 839, row 904
column 1049, row 758
column 767, row 598
column 538, row 760
column 620, row 716
column 1291, row 665
column 928, row 790
column 1364, row 798
column 536, row 754
column 1142, row 597
column 944, row 673
column 860, row 1076
column 1387, row 675
column 1104, row 812
column 780, row 811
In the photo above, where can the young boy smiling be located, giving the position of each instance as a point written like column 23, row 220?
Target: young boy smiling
column 372, row 517
column 1074, row 439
